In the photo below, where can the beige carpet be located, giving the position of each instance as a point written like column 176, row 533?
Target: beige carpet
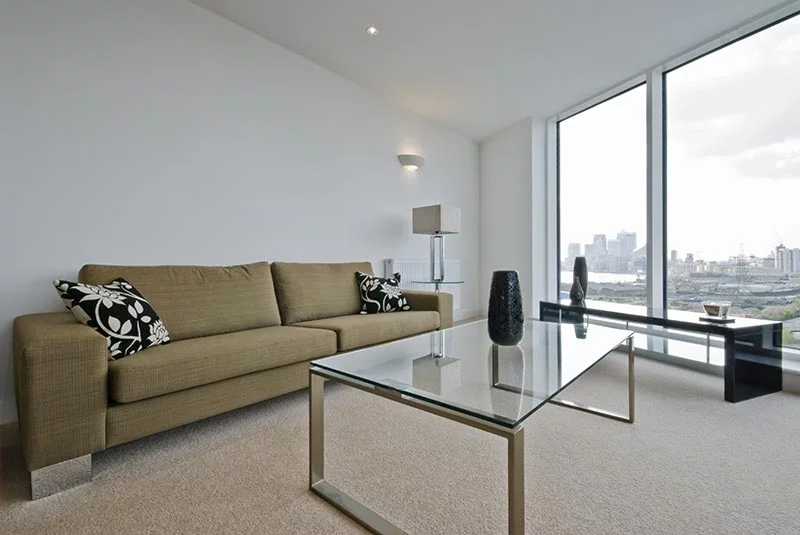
column 691, row 464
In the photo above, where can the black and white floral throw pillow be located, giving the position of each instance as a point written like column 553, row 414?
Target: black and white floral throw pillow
column 381, row 295
column 117, row 311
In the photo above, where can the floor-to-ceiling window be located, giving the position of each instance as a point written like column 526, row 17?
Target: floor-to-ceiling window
column 713, row 140
column 602, row 197
column 733, row 177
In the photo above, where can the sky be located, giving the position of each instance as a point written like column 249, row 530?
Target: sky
column 733, row 154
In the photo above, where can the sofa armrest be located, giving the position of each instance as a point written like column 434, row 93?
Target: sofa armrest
column 440, row 302
column 60, row 371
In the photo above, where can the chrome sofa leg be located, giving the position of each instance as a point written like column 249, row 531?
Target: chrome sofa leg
column 61, row 476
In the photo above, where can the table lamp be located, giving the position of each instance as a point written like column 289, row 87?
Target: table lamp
column 436, row 220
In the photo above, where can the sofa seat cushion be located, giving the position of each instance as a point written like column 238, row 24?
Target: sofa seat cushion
column 199, row 361
column 362, row 330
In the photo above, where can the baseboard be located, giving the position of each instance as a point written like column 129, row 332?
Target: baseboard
column 791, row 382
column 462, row 314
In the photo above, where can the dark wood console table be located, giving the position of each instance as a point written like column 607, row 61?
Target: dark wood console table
column 753, row 353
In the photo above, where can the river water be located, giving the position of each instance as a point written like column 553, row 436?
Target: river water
column 566, row 277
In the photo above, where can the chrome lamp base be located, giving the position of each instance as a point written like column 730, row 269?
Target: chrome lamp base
column 437, row 249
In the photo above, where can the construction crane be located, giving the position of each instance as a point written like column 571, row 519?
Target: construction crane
column 742, row 273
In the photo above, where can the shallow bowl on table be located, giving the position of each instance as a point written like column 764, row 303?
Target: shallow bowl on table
column 717, row 309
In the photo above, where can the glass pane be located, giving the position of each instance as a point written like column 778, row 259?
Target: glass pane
column 733, row 183
column 602, row 197
column 500, row 384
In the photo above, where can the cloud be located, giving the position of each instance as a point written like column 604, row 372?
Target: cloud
column 740, row 98
column 780, row 160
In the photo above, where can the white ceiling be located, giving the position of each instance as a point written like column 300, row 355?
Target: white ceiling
column 481, row 65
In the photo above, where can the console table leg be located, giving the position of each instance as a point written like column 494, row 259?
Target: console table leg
column 631, row 383
column 516, row 482
column 753, row 364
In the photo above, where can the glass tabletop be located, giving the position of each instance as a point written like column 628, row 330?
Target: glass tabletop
column 500, row 384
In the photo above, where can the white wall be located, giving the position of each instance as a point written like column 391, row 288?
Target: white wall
column 544, row 270
column 505, row 200
column 513, row 200
column 153, row 132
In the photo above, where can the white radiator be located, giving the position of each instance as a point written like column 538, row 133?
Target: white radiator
column 414, row 269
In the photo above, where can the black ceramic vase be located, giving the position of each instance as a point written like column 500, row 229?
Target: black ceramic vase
column 506, row 317
column 576, row 292
column 581, row 271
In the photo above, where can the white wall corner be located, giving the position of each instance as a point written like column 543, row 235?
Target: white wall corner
column 542, row 208
column 506, row 239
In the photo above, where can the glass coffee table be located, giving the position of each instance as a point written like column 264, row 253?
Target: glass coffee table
column 459, row 374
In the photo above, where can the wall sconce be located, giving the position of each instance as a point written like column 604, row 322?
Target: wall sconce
column 411, row 162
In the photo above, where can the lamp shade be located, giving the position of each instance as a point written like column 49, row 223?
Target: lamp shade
column 436, row 219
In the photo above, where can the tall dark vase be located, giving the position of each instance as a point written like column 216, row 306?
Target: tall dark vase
column 576, row 292
column 581, row 271
column 506, row 317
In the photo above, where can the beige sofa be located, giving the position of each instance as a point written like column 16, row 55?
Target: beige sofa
column 241, row 334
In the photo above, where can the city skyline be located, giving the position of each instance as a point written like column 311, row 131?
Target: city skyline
column 621, row 255
column 732, row 154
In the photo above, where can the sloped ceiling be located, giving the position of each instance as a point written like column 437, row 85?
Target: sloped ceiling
column 480, row 65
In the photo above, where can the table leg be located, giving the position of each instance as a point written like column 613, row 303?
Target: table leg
column 316, row 429
column 602, row 412
column 370, row 519
column 317, row 483
column 516, row 482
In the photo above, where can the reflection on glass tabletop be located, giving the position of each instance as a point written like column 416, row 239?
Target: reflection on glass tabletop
column 500, row 384
column 437, row 282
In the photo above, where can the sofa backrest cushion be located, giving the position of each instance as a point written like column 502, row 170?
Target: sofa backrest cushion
column 196, row 301
column 314, row 291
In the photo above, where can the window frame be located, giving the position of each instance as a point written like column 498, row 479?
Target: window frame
column 655, row 80
column 630, row 85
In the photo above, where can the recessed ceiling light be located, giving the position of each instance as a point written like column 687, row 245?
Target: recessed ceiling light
column 372, row 30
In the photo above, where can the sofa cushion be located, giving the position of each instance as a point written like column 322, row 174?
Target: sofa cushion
column 362, row 330
column 381, row 295
column 198, row 300
column 199, row 361
column 118, row 312
column 313, row 291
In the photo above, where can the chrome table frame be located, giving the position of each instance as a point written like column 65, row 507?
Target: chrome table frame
column 602, row 412
column 515, row 437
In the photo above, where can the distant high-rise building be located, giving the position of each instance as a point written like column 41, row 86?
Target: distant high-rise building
column 615, row 248
column 600, row 244
column 779, row 256
column 673, row 256
column 617, row 262
column 627, row 242
column 689, row 258
column 787, row 261
column 795, row 260
column 588, row 252
column 573, row 250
